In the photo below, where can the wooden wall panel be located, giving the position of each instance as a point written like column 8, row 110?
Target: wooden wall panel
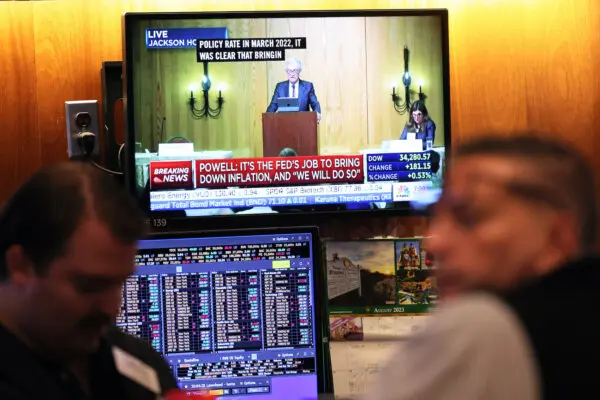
column 70, row 40
column 385, row 66
column 489, row 67
column 19, row 136
column 168, row 76
column 564, row 77
column 335, row 62
column 515, row 65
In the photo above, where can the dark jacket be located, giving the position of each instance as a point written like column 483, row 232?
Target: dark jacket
column 427, row 132
column 25, row 375
column 560, row 314
column 306, row 96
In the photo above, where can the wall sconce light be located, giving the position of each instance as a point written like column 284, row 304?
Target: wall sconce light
column 400, row 106
column 205, row 110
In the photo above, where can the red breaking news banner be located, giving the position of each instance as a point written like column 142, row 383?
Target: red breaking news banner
column 279, row 171
column 171, row 175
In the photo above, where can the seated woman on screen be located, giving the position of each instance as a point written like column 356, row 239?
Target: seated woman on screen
column 419, row 125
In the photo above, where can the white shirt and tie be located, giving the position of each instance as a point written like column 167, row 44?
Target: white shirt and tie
column 293, row 89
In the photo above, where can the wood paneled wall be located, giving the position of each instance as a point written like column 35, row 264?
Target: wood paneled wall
column 167, row 77
column 353, row 64
column 515, row 65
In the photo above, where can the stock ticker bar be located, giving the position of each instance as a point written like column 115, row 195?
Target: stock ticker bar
column 372, row 192
column 272, row 192
column 267, row 197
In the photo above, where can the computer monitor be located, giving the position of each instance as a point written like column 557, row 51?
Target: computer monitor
column 236, row 313
column 288, row 104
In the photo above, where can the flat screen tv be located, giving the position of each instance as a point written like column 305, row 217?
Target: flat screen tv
column 286, row 112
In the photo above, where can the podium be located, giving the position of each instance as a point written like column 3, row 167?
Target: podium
column 297, row 130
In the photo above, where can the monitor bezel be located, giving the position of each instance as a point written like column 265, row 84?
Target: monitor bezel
column 129, row 21
column 324, row 381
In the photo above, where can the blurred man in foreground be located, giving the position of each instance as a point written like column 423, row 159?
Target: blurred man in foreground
column 514, row 235
column 68, row 240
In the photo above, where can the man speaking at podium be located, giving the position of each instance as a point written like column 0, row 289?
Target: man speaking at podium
column 294, row 87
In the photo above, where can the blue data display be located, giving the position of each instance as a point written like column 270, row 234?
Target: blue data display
column 399, row 166
column 181, row 38
column 392, row 157
column 399, row 176
column 213, row 307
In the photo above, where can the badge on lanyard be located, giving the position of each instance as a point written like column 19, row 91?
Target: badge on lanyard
column 136, row 370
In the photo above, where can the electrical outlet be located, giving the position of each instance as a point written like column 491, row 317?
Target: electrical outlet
column 81, row 115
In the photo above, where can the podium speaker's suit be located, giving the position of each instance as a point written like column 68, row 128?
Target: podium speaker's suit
column 306, row 96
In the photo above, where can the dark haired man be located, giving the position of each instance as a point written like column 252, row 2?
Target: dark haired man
column 513, row 236
column 68, row 240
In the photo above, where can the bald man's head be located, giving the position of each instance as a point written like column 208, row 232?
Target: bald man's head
column 512, row 208
column 551, row 172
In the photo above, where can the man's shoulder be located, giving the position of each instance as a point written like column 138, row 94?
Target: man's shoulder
column 473, row 348
column 475, row 304
column 480, row 317
column 478, row 327
column 305, row 83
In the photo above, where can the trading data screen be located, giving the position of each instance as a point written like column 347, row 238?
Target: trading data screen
column 233, row 315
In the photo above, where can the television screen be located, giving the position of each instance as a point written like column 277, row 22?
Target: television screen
column 286, row 112
column 237, row 314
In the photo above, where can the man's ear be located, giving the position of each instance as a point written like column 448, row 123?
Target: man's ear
column 19, row 267
column 566, row 234
column 563, row 242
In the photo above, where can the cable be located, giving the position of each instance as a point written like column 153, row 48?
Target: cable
column 101, row 168
column 119, row 156
column 87, row 143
